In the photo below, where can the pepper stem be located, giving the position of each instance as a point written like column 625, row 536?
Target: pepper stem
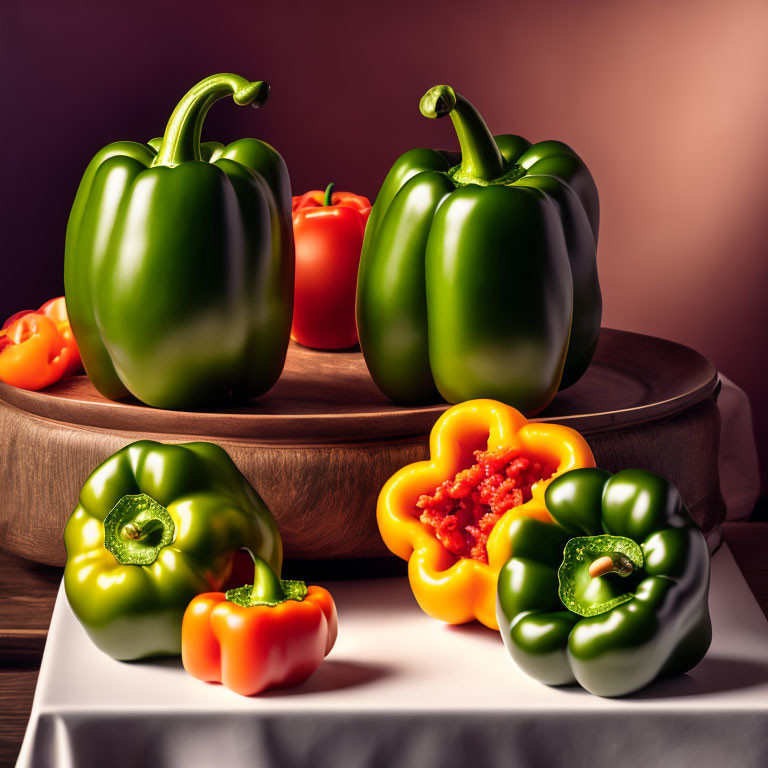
column 141, row 531
column 181, row 141
column 266, row 585
column 480, row 156
column 616, row 563
column 267, row 588
column 328, row 199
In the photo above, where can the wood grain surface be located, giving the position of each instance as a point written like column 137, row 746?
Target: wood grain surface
column 329, row 396
column 17, row 689
column 29, row 593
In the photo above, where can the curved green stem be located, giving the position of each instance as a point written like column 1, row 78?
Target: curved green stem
column 480, row 157
column 328, row 199
column 181, row 141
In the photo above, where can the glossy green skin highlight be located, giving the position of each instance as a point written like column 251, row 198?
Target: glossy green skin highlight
column 135, row 611
column 478, row 274
column 663, row 629
column 179, row 262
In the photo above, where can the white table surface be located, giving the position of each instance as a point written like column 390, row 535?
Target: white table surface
column 402, row 689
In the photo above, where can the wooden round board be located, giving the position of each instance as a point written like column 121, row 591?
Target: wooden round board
column 320, row 444
column 331, row 396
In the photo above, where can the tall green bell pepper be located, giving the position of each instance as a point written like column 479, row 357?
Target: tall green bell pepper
column 178, row 268
column 615, row 593
column 478, row 274
column 156, row 525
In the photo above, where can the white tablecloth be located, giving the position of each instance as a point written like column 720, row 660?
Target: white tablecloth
column 401, row 689
column 737, row 458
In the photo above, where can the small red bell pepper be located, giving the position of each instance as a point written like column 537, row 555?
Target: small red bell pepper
column 328, row 229
column 272, row 634
column 37, row 348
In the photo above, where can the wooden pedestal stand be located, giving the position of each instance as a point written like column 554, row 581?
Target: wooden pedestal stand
column 320, row 445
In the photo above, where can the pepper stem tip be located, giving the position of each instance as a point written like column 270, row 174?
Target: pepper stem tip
column 438, row 101
column 254, row 93
column 607, row 564
column 131, row 531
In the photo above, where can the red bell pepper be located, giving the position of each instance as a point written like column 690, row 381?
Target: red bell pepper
column 272, row 634
column 37, row 348
column 328, row 230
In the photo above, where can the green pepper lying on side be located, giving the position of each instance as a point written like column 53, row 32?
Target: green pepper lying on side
column 613, row 595
column 155, row 526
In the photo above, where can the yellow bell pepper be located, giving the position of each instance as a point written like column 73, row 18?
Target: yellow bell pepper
column 460, row 589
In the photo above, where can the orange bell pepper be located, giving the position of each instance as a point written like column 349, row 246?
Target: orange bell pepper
column 38, row 348
column 459, row 589
column 272, row 634
column 328, row 231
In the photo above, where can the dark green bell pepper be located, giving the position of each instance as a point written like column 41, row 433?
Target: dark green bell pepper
column 154, row 526
column 478, row 274
column 615, row 593
column 179, row 262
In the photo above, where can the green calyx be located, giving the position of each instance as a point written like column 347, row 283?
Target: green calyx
column 598, row 573
column 181, row 141
column 292, row 590
column 136, row 530
column 328, row 198
column 510, row 176
column 267, row 589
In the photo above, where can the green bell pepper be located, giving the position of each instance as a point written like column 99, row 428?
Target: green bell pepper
column 478, row 273
column 178, row 268
column 156, row 525
column 615, row 593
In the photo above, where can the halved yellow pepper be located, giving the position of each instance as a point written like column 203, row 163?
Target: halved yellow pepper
column 449, row 588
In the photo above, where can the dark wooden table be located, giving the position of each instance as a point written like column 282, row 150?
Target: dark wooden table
column 29, row 592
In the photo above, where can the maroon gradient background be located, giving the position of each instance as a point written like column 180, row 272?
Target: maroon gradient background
column 666, row 101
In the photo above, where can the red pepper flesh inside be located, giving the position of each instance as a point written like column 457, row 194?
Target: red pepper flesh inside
column 464, row 509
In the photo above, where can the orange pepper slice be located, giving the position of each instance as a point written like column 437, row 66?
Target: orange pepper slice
column 38, row 348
